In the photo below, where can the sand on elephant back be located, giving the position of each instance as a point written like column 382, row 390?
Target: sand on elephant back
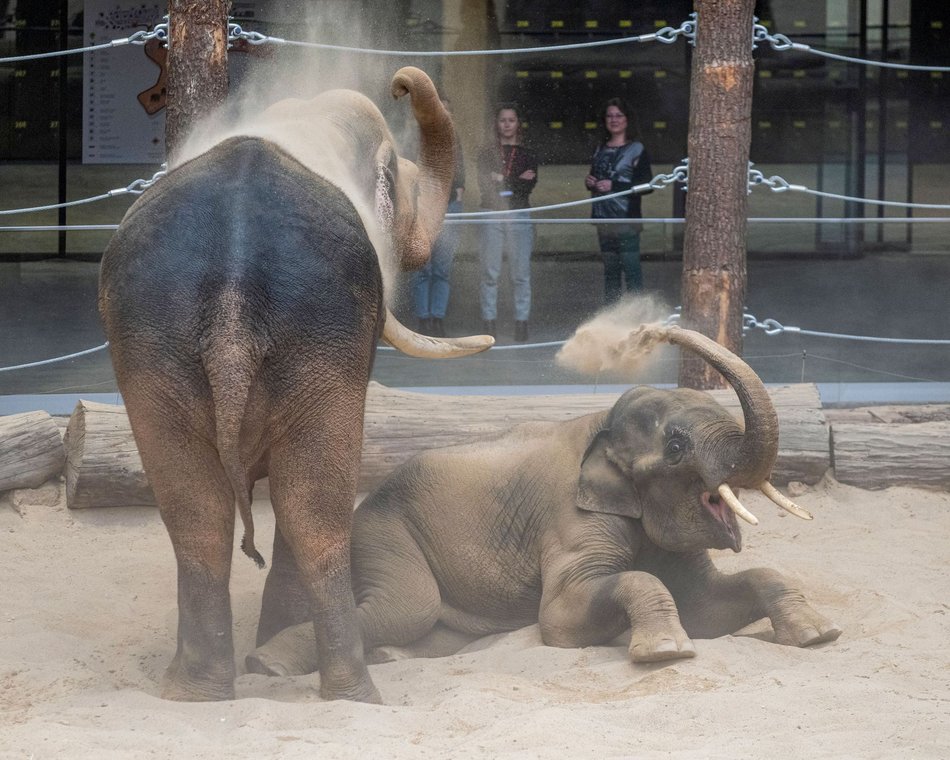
column 88, row 616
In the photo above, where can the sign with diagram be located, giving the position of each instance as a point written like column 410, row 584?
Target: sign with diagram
column 118, row 128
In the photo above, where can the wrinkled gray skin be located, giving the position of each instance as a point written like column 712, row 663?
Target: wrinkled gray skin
column 243, row 300
column 587, row 527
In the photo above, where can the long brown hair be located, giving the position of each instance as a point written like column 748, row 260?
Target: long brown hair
column 507, row 106
column 633, row 130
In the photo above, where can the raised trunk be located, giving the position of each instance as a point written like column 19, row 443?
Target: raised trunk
column 436, row 164
column 754, row 456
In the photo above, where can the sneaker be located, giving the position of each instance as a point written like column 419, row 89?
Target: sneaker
column 425, row 326
column 437, row 327
column 488, row 327
column 521, row 332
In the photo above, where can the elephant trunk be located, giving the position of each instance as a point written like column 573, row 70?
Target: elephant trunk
column 755, row 455
column 749, row 462
column 436, row 164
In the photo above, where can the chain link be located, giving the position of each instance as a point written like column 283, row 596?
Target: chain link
column 139, row 186
column 679, row 174
column 668, row 34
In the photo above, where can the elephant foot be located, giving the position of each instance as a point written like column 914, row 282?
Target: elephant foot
column 178, row 686
column 356, row 687
column 805, row 628
column 659, row 646
column 292, row 652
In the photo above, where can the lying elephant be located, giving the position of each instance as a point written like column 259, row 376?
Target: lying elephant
column 587, row 527
column 243, row 298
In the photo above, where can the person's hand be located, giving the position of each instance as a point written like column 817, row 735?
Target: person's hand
column 603, row 185
column 589, row 181
column 529, row 174
column 496, row 177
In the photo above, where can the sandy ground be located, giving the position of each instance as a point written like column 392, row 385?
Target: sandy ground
column 87, row 620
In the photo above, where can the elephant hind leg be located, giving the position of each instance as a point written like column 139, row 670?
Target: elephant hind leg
column 398, row 598
column 197, row 506
column 313, row 486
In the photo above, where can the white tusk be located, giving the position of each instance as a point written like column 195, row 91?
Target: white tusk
column 783, row 501
column 412, row 343
column 732, row 501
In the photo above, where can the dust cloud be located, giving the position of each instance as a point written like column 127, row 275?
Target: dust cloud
column 614, row 340
column 274, row 95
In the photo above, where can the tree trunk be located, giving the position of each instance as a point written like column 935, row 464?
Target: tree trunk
column 720, row 108
column 103, row 466
column 197, row 65
column 31, row 450
column 876, row 455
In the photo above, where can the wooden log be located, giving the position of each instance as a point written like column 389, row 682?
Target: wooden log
column 31, row 450
column 399, row 424
column 875, row 455
column 103, row 467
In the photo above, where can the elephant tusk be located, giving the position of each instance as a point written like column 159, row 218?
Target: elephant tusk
column 732, row 501
column 783, row 501
column 412, row 343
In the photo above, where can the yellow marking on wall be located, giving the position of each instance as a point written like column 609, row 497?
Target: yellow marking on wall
column 591, row 24
column 556, row 124
column 625, row 74
column 557, row 75
column 590, row 75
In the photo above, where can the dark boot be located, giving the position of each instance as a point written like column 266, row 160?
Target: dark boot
column 438, row 328
column 521, row 332
column 425, row 326
column 488, row 326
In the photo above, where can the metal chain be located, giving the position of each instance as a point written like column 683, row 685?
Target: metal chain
column 772, row 327
column 159, row 32
column 660, row 181
column 135, row 187
column 780, row 185
column 667, row 35
column 780, row 42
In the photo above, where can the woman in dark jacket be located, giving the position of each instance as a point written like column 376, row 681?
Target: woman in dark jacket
column 619, row 163
column 507, row 173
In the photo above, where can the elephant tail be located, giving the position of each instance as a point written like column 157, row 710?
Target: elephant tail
column 231, row 368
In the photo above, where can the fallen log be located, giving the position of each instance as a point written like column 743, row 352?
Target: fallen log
column 876, row 455
column 31, row 450
column 103, row 467
column 399, row 424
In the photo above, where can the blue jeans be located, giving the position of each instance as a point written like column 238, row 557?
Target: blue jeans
column 515, row 238
column 620, row 251
column 430, row 285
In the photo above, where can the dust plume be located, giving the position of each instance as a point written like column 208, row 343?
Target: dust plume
column 272, row 96
column 612, row 340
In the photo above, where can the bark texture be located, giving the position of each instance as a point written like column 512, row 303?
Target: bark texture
column 197, row 65
column 31, row 450
column 720, row 107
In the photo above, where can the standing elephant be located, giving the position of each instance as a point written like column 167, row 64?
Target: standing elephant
column 243, row 298
column 588, row 527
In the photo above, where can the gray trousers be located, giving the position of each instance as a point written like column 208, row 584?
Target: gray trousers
column 515, row 238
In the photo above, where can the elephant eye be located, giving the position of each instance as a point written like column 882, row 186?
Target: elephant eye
column 675, row 448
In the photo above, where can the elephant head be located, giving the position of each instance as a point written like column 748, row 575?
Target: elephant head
column 342, row 136
column 672, row 458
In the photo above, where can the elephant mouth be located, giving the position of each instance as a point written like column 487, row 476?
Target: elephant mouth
column 725, row 521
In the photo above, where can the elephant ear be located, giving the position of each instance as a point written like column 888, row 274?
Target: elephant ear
column 384, row 196
column 602, row 487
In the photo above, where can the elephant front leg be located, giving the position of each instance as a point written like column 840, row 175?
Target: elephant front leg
column 594, row 611
column 723, row 604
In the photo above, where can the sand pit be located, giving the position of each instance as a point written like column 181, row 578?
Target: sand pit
column 88, row 615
